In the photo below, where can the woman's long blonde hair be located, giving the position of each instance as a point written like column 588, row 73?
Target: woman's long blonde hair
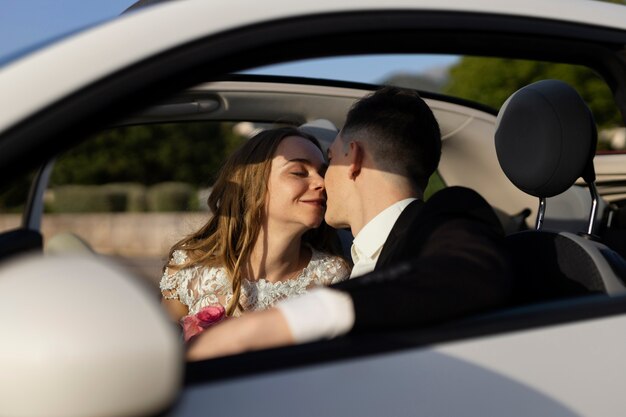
column 237, row 203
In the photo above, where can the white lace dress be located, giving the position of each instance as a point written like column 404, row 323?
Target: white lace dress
column 198, row 286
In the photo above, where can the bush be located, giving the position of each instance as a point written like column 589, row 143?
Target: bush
column 81, row 199
column 117, row 197
column 123, row 197
column 435, row 183
column 13, row 194
column 127, row 196
column 172, row 196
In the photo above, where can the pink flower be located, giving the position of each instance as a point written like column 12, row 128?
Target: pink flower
column 191, row 327
column 210, row 315
column 206, row 317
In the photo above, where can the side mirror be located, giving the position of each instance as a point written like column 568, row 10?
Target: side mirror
column 82, row 337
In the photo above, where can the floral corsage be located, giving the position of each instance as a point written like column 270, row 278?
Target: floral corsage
column 195, row 324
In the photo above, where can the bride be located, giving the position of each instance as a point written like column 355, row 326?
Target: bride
column 266, row 239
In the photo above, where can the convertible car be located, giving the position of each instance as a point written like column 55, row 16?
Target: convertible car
column 84, row 334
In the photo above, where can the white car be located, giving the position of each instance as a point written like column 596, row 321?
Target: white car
column 83, row 337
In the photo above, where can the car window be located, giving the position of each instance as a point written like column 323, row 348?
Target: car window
column 131, row 192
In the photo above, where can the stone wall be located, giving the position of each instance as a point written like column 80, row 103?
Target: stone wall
column 139, row 240
column 124, row 234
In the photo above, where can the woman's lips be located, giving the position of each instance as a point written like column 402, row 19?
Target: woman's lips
column 320, row 202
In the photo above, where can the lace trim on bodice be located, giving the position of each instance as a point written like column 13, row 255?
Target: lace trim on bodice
column 199, row 286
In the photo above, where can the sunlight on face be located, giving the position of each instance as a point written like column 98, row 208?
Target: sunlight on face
column 296, row 193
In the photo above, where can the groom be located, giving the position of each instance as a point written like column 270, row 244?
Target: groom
column 422, row 263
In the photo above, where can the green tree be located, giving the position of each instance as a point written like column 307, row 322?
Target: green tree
column 13, row 195
column 149, row 154
column 415, row 81
column 492, row 80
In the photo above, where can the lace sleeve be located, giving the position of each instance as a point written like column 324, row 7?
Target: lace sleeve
column 342, row 270
column 171, row 279
column 329, row 269
column 195, row 286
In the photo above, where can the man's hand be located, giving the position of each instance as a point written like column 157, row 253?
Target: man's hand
column 252, row 331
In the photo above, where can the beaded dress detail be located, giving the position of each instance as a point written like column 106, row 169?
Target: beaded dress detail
column 199, row 286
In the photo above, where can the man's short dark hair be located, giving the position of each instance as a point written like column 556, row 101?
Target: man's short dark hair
column 400, row 130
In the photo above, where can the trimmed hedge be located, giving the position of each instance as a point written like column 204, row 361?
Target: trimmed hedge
column 172, row 196
column 83, row 198
column 131, row 196
column 123, row 197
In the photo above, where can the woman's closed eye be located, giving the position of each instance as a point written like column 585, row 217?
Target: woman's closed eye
column 305, row 170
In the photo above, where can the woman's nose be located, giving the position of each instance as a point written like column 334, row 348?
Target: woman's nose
column 318, row 182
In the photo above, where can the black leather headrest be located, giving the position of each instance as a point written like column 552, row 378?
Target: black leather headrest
column 546, row 138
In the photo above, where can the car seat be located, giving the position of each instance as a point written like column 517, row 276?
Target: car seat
column 545, row 140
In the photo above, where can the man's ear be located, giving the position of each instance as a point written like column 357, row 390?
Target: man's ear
column 355, row 159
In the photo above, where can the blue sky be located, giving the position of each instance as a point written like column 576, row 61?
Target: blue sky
column 367, row 69
column 24, row 23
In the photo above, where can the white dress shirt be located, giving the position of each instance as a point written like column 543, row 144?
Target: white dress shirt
column 324, row 313
column 368, row 244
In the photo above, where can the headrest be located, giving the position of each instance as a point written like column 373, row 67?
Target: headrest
column 546, row 138
column 323, row 130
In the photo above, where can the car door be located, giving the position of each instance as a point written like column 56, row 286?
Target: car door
column 551, row 360
column 563, row 358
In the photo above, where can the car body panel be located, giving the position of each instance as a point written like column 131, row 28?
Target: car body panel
column 576, row 369
column 573, row 367
column 77, row 61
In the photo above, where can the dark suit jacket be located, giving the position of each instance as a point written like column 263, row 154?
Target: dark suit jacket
column 443, row 259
